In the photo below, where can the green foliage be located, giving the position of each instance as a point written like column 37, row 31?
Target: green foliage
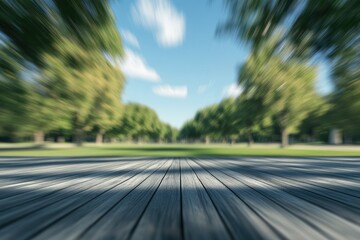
column 227, row 118
column 256, row 20
column 63, row 43
column 218, row 122
column 327, row 26
column 107, row 109
column 277, row 89
column 92, row 23
column 278, row 86
column 346, row 97
column 34, row 27
column 44, row 114
column 170, row 133
column 140, row 123
column 206, row 120
column 322, row 27
column 71, row 77
column 318, row 122
column 189, row 131
column 251, row 118
column 24, row 108
column 13, row 93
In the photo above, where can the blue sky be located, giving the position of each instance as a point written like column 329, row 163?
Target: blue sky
column 175, row 63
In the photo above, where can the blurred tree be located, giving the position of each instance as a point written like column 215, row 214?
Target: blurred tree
column 171, row 133
column 215, row 122
column 317, row 124
column 13, row 93
column 43, row 114
column 346, row 96
column 251, row 117
column 278, row 86
column 189, row 131
column 330, row 28
column 34, row 27
column 91, row 22
column 256, row 21
column 227, row 125
column 85, row 85
column 106, row 110
column 24, row 108
column 140, row 123
column 207, row 123
column 44, row 33
column 327, row 26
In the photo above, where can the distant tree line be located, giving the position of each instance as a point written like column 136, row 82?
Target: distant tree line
column 137, row 123
column 140, row 123
column 230, row 121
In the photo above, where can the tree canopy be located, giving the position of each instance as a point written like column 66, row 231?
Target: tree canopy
column 57, row 52
column 278, row 86
column 318, row 29
column 140, row 123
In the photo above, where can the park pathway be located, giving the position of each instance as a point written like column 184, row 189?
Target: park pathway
column 179, row 198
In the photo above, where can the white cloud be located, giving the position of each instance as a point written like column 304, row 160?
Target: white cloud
column 133, row 65
column 203, row 88
column 233, row 90
column 171, row 91
column 163, row 18
column 130, row 38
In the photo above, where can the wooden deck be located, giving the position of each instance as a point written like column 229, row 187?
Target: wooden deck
column 152, row 198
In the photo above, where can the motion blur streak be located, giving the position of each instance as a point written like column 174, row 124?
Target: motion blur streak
column 63, row 67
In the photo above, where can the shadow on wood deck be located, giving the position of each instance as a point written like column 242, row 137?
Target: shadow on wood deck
column 179, row 198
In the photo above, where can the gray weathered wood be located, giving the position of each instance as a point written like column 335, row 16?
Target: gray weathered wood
column 165, row 207
column 201, row 219
column 158, row 198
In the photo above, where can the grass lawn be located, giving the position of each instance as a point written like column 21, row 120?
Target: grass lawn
column 173, row 150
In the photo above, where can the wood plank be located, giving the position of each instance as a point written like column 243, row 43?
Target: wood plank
column 78, row 221
column 289, row 225
column 20, row 176
column 157, row 198
column 33, row 217
column 241, row 220
column 327, row 222
column 49, row 179
column 334, row 201
column 165, row 207
column 119, row 223
column 200, row 218
column 51, row 188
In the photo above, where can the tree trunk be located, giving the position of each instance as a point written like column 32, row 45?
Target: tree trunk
column 79, row 137
column 207, row 140
column 335, row 136
column 39, row 137
column 60, row 139
column 99, row 138
column 250, row 138
column 284, row 138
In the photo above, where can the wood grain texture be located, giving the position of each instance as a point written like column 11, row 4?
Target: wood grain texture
column 180, row 198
